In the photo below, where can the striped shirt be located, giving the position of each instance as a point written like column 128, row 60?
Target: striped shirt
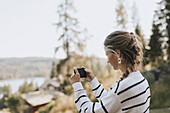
column 130, row 95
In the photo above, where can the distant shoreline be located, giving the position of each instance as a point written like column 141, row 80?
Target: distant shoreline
column 15, row 84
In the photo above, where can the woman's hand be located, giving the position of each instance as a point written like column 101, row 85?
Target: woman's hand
column 90, row 75
column 75, row 77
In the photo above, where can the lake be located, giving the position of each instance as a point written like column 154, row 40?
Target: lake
column 15, row 84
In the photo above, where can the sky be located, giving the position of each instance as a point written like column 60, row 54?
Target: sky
column 27, row 26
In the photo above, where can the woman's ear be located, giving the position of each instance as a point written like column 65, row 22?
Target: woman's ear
column 118, row 52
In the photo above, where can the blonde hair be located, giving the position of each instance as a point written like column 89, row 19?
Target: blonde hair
column 130, row 47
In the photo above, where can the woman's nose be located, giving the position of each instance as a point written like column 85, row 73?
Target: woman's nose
column 107, row 61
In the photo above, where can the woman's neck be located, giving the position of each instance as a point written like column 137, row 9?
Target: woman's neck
column 123, row 68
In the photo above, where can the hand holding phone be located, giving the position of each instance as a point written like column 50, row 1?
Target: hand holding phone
column 82, row 72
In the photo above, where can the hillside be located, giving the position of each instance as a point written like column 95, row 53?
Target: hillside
column 13, row 68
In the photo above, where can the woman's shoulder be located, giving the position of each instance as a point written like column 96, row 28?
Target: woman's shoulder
column 132, row 83
column 132, row 91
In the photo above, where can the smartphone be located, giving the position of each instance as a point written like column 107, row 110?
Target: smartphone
column 81, row 72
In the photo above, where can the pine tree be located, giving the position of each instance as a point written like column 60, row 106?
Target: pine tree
column 167, row 16
column 53, row 70
column 26, row 87
column 70, row 38
column 155, row 44
column 121, row 14
column 126, row 15
column 138, row 31
column 160, row 38
column 141, row 36
column 6, row 90
column 69, row 32
column 164, row 20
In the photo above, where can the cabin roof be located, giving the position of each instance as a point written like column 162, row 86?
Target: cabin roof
column 37, row 98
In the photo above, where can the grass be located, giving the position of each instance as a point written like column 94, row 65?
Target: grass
column 160, row 111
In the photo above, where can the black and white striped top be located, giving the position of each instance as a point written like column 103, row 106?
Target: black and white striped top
column 130, row 95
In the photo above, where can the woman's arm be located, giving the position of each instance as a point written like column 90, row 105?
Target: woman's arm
column 98, row 89
column 106, row 104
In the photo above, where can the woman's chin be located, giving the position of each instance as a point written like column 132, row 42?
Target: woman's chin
column 115, row 68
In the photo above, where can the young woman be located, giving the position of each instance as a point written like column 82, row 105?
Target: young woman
column 130, row 94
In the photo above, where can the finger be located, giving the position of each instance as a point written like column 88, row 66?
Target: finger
column 87, row 70
column 83, row 67
column 76, row 70
column 72, row 75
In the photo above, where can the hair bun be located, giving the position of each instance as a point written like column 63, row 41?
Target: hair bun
column 131, row 33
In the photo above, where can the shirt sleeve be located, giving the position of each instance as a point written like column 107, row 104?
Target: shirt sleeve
column 106, row 104
column 98, row 89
